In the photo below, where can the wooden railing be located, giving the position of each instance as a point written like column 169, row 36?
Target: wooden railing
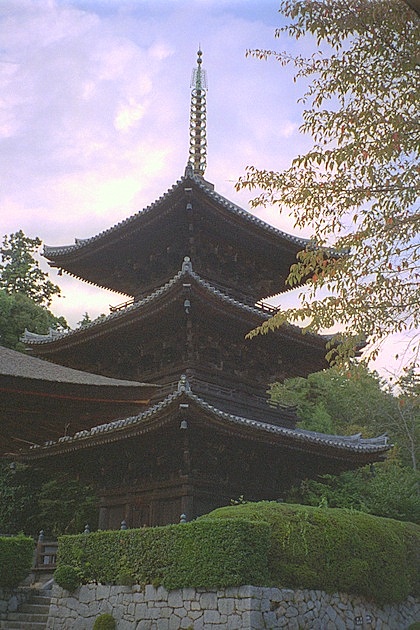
column 45, row 553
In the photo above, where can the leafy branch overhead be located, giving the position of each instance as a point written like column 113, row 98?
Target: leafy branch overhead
column 357, row 188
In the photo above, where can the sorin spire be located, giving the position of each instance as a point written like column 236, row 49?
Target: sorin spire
column 198, row 139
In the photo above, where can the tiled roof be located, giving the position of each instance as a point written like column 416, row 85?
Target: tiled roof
column 51, row 252
column 146, row 421
column 18, row 364
column 260, row 311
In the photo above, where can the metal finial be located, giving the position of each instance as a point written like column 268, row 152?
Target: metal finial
column 198, row 138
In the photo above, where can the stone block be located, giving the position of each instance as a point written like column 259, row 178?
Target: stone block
column 234, row 623
column 102, row 591
column 162, row 594
column 246, row 591
column 270, row 619
column 195, row 614
column 331, row 613
column 265, row 604
column 162, row 624
column 287, row 595
column 13, row 604
column 339, row 623
column 141, row 612
column 188, row 594
column 80, row 624
column 175, row 599
column 174, row 622
column 253, row 619
column 150, row 593
column 208, row 601
column 226, row 606
column 165, row 612
column 291, row 611
column 211, row 616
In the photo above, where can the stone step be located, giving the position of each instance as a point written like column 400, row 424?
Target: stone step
column 32, row 614
column 22, row 625
column 34, row 607
column 22, row 616
column 37, row 598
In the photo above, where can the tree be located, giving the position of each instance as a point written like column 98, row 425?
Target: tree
column 353, row 400
column 387, row 489
column 357, row 188
column 408, row 420
column 20, row 273
column 18, row 312
column 86, row 320
column 346, row 401
column 29, row 503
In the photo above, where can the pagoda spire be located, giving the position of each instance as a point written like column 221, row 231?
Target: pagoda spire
column 198, row 138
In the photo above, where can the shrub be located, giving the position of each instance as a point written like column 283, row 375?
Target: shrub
column 16, row 557
column 336, row 550
column 104, row 622
column 204, row 553
column 67, row 577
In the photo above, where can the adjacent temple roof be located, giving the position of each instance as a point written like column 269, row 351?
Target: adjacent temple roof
column 183, row 404
column 40, row 400
column 20, row 365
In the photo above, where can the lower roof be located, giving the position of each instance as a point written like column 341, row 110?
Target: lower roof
column 354, row 447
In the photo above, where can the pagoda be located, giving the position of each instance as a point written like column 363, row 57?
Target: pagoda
column 194, row 270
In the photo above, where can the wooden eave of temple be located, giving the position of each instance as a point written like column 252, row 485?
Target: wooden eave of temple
column 188, row 326
column 228, row 244
column 183, row 411
column 42, row 401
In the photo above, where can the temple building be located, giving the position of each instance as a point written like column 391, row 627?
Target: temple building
column 41, row 401
column 195, row 270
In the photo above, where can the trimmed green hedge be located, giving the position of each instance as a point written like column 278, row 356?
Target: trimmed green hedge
column 336, row 550
column 16, row 558
column 207, row 554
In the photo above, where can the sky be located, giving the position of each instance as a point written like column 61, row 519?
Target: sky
column 94, row 114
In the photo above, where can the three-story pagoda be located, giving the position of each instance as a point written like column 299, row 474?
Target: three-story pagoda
column 194, row 269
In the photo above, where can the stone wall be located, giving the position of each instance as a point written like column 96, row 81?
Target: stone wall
column 236, row 608
column 11, row 599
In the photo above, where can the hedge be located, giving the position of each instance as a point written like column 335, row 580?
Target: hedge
column 336, row 550
column 16, row 558
column 207, row 554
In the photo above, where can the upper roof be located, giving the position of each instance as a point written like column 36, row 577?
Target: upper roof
column 229, row 245
column 351, row 448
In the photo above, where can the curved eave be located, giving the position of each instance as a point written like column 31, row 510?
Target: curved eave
column 352, row 448
column 85, row 246
column 119, row 318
